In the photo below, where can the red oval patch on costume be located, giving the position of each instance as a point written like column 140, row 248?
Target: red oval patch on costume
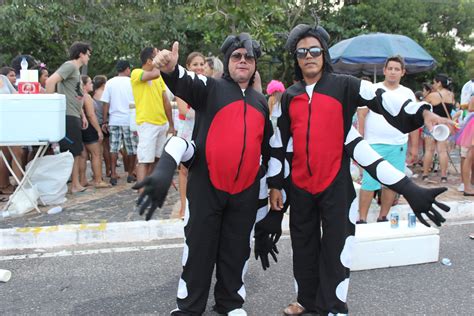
column 325, row 143
column 224, row 143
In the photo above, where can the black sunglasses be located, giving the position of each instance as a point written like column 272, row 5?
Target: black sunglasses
column 238, row 56
column 313, row 51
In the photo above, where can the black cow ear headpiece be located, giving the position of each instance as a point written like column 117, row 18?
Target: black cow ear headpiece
column 303, row 30
column 242, row 40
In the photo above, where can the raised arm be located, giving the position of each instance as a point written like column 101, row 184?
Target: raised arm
column 185, row 84
column 404, row 114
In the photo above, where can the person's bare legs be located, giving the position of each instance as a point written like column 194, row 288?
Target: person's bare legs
column 442, row 148
column 96, row 161
column 467, row 171
column 106, row 155
column 113, row 165
column 386, row 202
column 83, row 167
column 5, row 185
column 365, row 199
column 183, row 183
column 75, row 184
column 131, row 163
column 428, row 157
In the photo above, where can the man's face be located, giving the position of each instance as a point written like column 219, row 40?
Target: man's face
column 12, row 77
column 85, row 57
column 241, row 66
column 311, row 67
column 393, row 72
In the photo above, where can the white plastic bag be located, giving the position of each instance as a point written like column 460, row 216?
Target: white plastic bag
column 50, row 176
column 21, row 203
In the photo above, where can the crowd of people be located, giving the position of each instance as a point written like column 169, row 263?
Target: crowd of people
column 230, row 143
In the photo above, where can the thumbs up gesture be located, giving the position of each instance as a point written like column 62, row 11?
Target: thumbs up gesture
column 166, row 60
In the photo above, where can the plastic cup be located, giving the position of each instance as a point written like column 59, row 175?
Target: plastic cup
column 440, row 132
column 5, row 275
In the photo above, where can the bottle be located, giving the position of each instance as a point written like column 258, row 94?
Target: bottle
column 24, row 64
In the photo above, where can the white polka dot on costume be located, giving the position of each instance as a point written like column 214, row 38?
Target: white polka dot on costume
column 354, row 210
column 412, row 107
column 182, row 289
column 275, row 140
column 387, row 174
column 261, row 213
column 274, row 167
column 341, row 290
column 287, row 168
column 289, row 147
column 353, row 134
column 283, row 193
column 364, row 154
column 263, row 188
column 347, row 251
column 185, row 255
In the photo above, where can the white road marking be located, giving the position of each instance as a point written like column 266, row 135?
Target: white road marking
column 86, row 252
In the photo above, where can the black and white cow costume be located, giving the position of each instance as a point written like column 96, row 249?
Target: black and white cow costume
column 227, row 162
column 310, row 163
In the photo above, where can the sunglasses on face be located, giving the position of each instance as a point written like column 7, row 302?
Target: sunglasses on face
column 238, row 56
column 313, row 51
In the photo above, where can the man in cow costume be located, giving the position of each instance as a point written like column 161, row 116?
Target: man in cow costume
column 227, row 163
column 309, row 169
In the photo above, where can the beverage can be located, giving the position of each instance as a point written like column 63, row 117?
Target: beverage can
column 411, row 220
column 394, row 218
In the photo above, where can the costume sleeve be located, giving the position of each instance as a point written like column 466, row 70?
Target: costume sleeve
column 404, row 114
column 370, row 160
column 192, row 88
column 280, row 143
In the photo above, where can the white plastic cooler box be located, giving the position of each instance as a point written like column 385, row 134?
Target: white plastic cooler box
column 32, row 117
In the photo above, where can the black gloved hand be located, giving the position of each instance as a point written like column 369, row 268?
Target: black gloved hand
column 265, row 244
column 421, row 201
column 156, row 186
column 267, row 234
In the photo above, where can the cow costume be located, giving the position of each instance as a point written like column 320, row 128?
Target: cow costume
column 310, row 164
column 227, row 162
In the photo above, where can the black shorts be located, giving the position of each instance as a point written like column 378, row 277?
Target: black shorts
column 73, row 139
column 89, row 135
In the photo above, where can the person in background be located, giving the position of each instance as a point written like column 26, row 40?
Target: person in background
column 118, row 99
column 68, row 81
column 98, row 84
column 9, row 72
column 464, row 139
column 275, row 89
column 6, row 188
column 213, row 67
column 43, row 75
column 153, row 110
column 442, row 100
column 92, row 137
column 194, row 62
column 386, row 140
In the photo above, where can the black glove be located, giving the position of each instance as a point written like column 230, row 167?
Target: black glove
column 267, row 234
column 421, row 201
column 156, row 186
column 265, row 244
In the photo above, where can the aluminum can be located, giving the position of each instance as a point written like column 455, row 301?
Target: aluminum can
column 411, row 220
column 394, row 219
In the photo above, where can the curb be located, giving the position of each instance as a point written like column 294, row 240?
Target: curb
column 153, row 230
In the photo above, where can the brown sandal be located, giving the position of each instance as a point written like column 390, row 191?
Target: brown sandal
column 294, row 309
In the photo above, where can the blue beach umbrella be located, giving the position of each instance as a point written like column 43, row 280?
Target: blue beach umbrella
column 366, row 54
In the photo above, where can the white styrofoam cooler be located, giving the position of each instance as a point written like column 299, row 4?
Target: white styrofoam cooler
column 32, row 117
column 377, row 245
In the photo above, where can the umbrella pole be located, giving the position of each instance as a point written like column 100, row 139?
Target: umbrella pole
column 375, row 74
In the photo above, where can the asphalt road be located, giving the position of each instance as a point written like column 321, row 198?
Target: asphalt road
column 142, row 279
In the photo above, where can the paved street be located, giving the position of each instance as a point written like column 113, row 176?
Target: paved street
column 142, row 279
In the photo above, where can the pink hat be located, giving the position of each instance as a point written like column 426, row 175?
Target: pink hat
column 274, row 86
